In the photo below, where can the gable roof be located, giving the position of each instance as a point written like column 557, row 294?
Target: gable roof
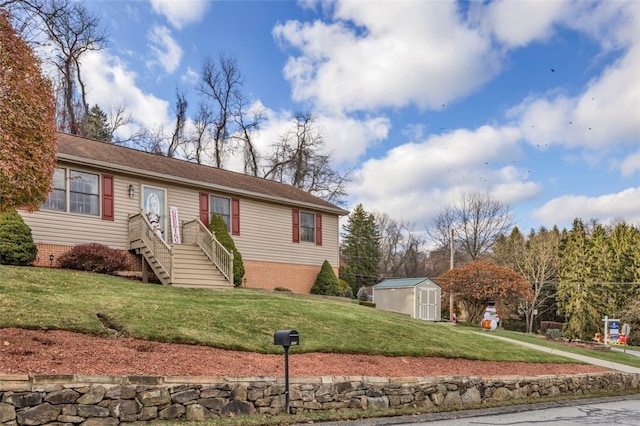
column 403, row 282
column 112, row 157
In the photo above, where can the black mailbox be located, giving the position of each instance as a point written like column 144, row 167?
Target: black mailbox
column 286, row 338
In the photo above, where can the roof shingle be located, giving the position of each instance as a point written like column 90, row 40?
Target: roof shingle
column 110, row 156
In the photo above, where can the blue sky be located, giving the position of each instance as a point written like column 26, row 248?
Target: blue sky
column 537, row 102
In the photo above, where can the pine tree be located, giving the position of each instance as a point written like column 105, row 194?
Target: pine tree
column 95, row 125
column 16, row 242
column 360, row 249
column 580, row 296
column 326, row 282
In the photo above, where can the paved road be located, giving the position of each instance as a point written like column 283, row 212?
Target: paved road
column 622, row 410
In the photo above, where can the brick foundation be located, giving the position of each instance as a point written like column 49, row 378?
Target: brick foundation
column 46, row 250
column 269, row 275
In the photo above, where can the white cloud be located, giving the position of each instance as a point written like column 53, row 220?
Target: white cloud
column 166, row 50
column 112, row 84
column 518, row 23
column 606, row 208
column 413, row 181
column 190, row 76
column 386, row 54
column 180, row 12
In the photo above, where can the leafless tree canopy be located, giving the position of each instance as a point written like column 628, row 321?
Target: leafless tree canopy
column 298, row 159
column 69, row 30
column 220, row 88
column 402, row 247
column 477, row 220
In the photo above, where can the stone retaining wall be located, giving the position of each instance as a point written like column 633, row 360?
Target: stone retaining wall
column 108, row 400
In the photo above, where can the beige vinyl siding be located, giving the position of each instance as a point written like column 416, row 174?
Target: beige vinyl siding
column 265, row 227
column 265, row 234
column 399, row 300
column 70, row 229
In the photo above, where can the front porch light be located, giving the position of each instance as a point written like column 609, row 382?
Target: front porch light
column 132, row 191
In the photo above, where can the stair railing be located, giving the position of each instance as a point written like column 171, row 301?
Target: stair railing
column 194, row 232
column 141, row 231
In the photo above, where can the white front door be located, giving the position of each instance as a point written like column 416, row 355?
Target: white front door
column 428, row 304
column 154, row 205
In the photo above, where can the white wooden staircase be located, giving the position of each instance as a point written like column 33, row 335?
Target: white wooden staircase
column 200, row 262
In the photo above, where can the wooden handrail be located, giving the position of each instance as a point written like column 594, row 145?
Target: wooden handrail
column 140, row 229
column 194, row 232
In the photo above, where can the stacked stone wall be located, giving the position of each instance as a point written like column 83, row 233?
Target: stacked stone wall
column 108, row 400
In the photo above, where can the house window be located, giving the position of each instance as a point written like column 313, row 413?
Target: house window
column 83, row 192
column 221, row 206
column 57, row 199
column 307, row 227
column 84, row 195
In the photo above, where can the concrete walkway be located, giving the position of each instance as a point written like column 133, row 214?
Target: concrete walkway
column 587, row 359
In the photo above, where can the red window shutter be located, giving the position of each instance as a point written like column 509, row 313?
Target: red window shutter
column 318, row 229
column 235, row 216
column 107, row 198
column 295, row 225
column 204, row 208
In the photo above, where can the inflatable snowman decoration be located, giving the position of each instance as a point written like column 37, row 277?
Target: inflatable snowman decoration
column 490, row 319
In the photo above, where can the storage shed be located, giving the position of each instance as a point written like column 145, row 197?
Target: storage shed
column 417, row 297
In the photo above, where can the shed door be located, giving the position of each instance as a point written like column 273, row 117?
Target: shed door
column 428, row 304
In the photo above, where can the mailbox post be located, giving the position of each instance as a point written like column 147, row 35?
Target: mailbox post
column 286, row 338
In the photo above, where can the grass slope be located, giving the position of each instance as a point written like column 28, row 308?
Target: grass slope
column 238, row 319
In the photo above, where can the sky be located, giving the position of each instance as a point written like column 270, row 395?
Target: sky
column 535, row 102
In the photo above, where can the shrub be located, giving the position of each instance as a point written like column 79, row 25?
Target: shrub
column 218, row 227
column 287, row 290
column 16, row 242
column 553, row 334
column 94, row 257
column 326, row 282
column 546, row 325
column 514, row 325
column 367, row 303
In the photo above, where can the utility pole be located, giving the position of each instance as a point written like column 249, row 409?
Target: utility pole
column 451, row 267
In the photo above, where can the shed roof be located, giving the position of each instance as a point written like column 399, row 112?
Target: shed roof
column 403, row 282
column 118, row 158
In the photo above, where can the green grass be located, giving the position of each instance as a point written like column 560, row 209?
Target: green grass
column 238, row 319
column 613, row 356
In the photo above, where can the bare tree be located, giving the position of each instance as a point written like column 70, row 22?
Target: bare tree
column 244, row 134
column 402, row 248
column 69, row 30
column 197, row 141
column 219, row 86
column 298, row 159
column 477, row 219
column 177, row 138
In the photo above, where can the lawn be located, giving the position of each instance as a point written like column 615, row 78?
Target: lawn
column 238, row 319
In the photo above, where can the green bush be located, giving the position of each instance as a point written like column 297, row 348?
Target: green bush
column 546, row 325
column 367, row 303
column 94, row 257
column 218, row 227
column 284, row 289
column 16, row 242
column 326, row 282
column 553, row 334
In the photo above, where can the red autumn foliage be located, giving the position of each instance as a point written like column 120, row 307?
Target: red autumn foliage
column 476, row 283
column 28, row 141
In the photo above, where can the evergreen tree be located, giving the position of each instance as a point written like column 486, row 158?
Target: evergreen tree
column 326, row 282
column 16, row 242
column 95, row 125
column 580, row 298
column 218, row 227
column 360, row 249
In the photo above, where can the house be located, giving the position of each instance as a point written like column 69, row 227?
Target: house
column 157, row 209
column 417, row 297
